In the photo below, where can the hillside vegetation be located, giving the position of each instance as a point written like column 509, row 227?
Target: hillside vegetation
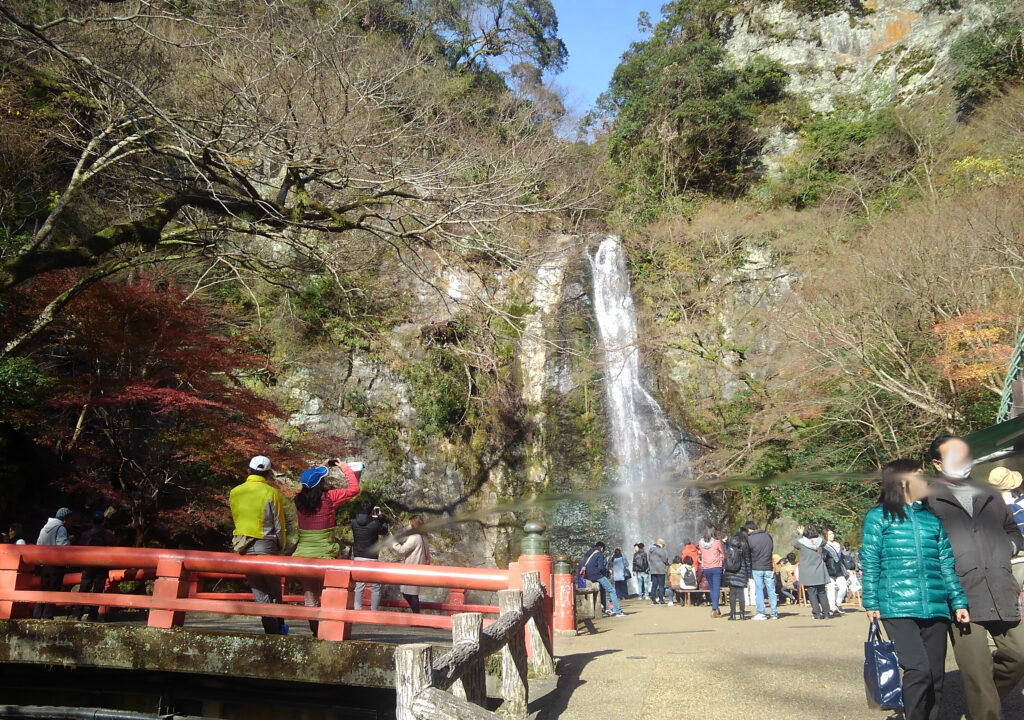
column 197, row 196
column 311, row 227
column 848, row 307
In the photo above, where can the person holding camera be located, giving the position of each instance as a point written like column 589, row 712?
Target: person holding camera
column 368, row 527
column 416, row 551
column 315, row 506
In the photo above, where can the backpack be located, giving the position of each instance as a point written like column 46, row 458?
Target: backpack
column 97, row 537
column 733, row 559
column 641, row 563
column 832, row 564
column 689, row 578
column 849, row 561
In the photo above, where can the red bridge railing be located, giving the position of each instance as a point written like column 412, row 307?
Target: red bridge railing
column 178, row 577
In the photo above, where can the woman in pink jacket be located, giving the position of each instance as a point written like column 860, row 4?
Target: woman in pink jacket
column 712, row 553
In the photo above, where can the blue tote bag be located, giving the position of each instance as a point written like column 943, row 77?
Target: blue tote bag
column 882, row 672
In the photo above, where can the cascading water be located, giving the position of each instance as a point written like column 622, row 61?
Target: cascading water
column 653, row 464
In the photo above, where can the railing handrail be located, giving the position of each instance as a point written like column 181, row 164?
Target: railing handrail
column 199, row 561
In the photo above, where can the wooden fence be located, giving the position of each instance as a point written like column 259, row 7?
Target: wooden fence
column 453, row 686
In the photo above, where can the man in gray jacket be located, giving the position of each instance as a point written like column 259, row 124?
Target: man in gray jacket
column 658, row 558
column 51, row 577
column 984, row 537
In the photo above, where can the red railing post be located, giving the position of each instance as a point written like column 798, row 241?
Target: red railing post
column 171, row 583
column 338, row 594
column 456, row 596
column 564, row 597
column 535, row 557
column 15, row 574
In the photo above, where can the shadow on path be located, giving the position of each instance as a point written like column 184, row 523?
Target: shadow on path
column 954, row 702
column 570, row 668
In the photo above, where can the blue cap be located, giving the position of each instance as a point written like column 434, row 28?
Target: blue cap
column 312, row 477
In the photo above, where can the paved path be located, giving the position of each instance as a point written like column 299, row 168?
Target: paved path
column 674, row 663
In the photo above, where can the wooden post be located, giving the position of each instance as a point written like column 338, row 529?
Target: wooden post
column 434, row 704
column 414, row 665
column 466, row 628
column 1017, row 398
column 514, row 687
column 338, row 593
column 169, row 584
column 541, row 661
column 15, row 574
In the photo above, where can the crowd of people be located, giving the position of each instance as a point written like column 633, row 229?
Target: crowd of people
column 743, row 564
column 940, row 561
column 939, row 558
column 261, row 527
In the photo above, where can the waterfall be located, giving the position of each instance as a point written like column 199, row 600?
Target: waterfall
column 653, row 464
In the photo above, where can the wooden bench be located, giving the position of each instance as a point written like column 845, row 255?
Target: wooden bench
column 688, row 599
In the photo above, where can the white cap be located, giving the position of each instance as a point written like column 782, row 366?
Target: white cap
column 260, row 463
column 356, row 467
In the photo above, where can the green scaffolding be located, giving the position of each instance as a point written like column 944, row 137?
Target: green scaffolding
column 1012, row 375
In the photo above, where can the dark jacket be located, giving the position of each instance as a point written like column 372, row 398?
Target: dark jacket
column 97, row 535
column 658, row 558
column 983, row 544
column 640, row 562
column 738, row 578
column 908, row 566
column 366, row 532
column 596, row 565
column 761, row 548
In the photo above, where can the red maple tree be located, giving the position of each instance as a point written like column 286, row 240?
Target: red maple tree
column 154, row 406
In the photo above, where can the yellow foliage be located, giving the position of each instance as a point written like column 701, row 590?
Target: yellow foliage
column 975, row 348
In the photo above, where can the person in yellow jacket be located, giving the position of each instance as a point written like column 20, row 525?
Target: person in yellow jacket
column 259, row 517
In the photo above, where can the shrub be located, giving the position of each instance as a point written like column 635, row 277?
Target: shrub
column 817, row 8
column 439, row 391
column 987, row 59
column 870, row 147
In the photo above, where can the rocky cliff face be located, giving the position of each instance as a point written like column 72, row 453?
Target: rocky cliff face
column 368, row 401
column 887, row 50
column 730, row 345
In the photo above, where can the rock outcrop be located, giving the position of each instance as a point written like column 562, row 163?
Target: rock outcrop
column 884, row 50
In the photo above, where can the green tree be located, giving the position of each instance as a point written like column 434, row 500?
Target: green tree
column 684, row 114
column 475, row 32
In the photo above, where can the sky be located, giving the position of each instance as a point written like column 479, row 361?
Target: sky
column 596, row 33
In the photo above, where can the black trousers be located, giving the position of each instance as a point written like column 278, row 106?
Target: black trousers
column 414, row 602
column 50, row 579
column 818, row 599
column 736, row 597
column 94, row 580
column 921, row 647
column 658, row 588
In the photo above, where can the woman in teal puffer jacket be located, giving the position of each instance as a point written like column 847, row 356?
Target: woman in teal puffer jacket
column 910, row 584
